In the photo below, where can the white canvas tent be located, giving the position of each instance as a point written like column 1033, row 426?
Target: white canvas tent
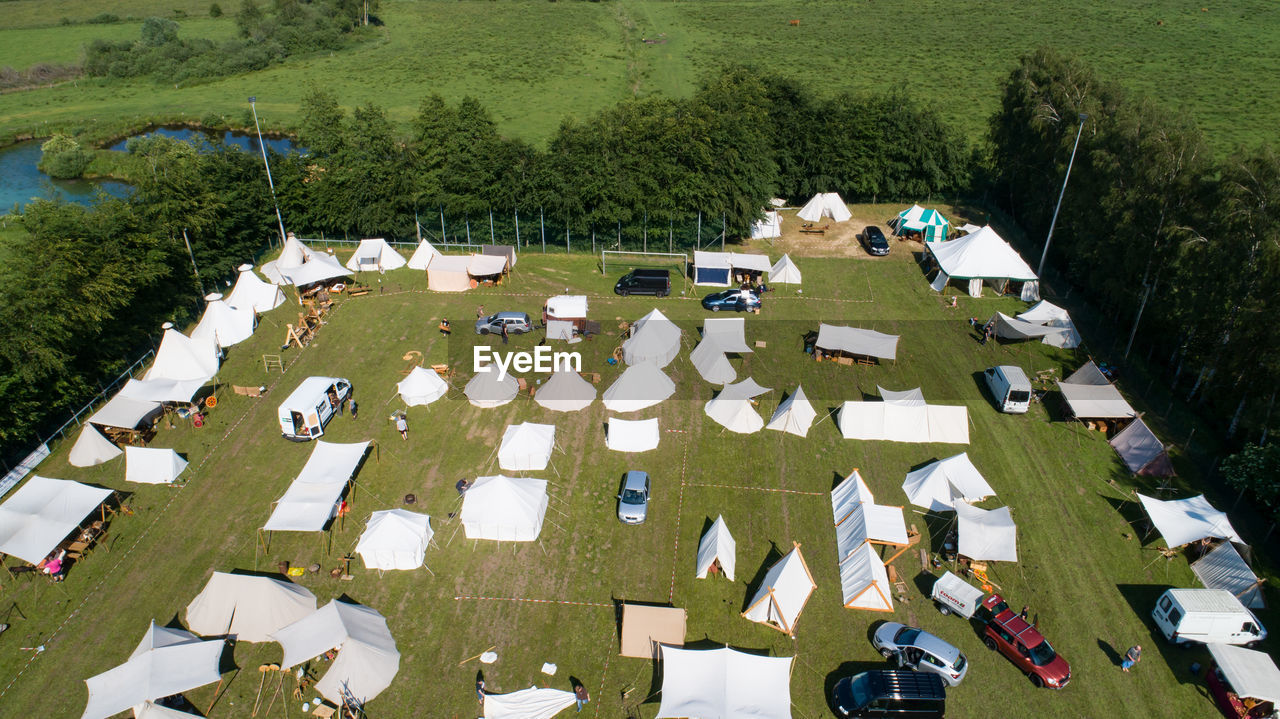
column 125, row 412
column 375, row 254
column 527, row 447
column 504, row 509
column 223, row 325
column 719, row 268
column 166, row 662
column 794, row 414
column 851, row 491
column 1048, row 314
column 1017, row 330
column 864, row 582
column 624, row 435
column 938, row 485
column 486, row 390
column 312, row 499
column 184, row 359
column 92, row 448
column 825, row 204
column 42, row 512
column 978, row 256
column 859, row 519
column 640, row 386
column 783, row 593
column 719, row 337
column 319, row 268
column 448, row 273
column 395, row 539
column 1252, row 674
column 367, row 658
column 767, row 228
column 247, row 606
column 423, row 255
column 785, row 272
column 856, row 341
column 151, row 710
column 160, row 390
column 251, row 293
column 147, row 465
column 421, row 387
column 1182, row 521
column 904, row 420
column 566, row 391
column 654, row 339
column 1142, row 451
column 531, row 703
column 1223, row 568
column 486, row 265
column 712, row 364
column 717, row 545
column 732, row 408
column 293, row 255
column 986, row 534
column 1090, row 395
column 724, row 684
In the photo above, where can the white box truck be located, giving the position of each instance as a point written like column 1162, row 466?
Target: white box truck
column 1010, row 388
column 1206, row 616
column 304, row 413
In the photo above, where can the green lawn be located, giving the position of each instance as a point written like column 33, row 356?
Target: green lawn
column 1082, row 571
column 44, row 13
column 25, row 47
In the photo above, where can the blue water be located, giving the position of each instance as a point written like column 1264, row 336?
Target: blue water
column 248, row 143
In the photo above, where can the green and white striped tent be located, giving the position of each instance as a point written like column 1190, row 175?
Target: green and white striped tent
column 931, row 223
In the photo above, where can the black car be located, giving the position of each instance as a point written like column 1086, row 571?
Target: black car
column 893, row 693
column 644, row 282
column 873, row 239
column 738, row 300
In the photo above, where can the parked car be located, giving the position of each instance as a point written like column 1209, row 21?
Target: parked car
column 1009, row 387
column 515, row 322
column 740, row 300
column 644, row 282
column 305, row 412
column 897, row 693
column 875, row 243
column 1203, row 616
column 633, row 500
column 1022, row 644
column 920, row 650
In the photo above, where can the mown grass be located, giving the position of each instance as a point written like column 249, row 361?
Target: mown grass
column 1084, row 572
column 44, row 13
column 25, row 47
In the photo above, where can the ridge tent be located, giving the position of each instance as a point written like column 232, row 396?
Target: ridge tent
column 624, row 435
column 247, row 607
column 724, row 684
column 312, row 498
column 794, row 414
column 1009, row 328
column 395, row 539
column 566, row 391
column 720, row 336
column 183, row 358
column 1183, row 521
column 1048, row 314
column 375, row 254
column 986, row 534
column 448, row 273
column 504, row 509
column 938, row 485
column 722, row 268
column 712, row 363
column 421, row 387
column 166, row 662
column 640, row 386
column 978, row 256
column 837, row 339
column 654, row 338
column 1223, row 568
column 852, row 490
column 251, row 293
column 42, row 513
column 785, row 272
column 859, row 520
column 531, row 703
column 646, row 628
column 527, row 446
column 1252, row 674
column 768, row 227
column 423, row 256
column 717, row 546
column 123, row 412
column 152, row 466
column 1141, row 451
column 864, row 582
column 223, row 325
column 783, row 593
column 506, row 252
column 825, row 204
column 367, row 658
column 486, row 390
column 1090, row 395
column 929, row 223
column 92, row 448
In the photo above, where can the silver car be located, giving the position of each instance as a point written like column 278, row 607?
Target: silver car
column 515, row 323
column 920, row 650
column 633, row 501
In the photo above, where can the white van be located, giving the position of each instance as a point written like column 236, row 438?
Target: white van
column 1206, row 616
column 1010, row 388
column 304, row 413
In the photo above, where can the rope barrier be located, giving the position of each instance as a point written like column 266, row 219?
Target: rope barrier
column 461, row 597
column 762, row 489
column 675, row 550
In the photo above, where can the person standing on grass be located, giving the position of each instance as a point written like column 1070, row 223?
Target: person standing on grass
column 580, row 695
column 403, row 426
column 504, row 333
column 1131, row 657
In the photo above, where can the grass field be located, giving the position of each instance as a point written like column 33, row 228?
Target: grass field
column 24, row 47
column 534, row 63
column 1084, row 573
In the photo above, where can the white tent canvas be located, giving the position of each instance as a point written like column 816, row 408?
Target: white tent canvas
column 978, row 256
column 423, row 255
column 719, row 337
column 565, row 392
column 938, row 485
column 654, row 339
column 712, row 363
column 375, row 254
column 395, row 539
column 183, row 358
column 724, row 684
column 42, row 512
column 1141, row 450
column 486, row 265
column 732, row 408
column 527, row 447
column 1090, row 395
column 222, row 324
column 251, row 293
column 768, row 227
column 1223, row 568
column 1011, row 328
column 247, row 606
column 319, row 268
column 1182, row 521
column 448, row 273
column 367, row 658
column 168, row 661
column 900, row 422
column 312, row 499
column 783, row 593
column 161, row 390
column 150, row 710
column 864, row 582
column 825, row 204
column 640, row 386
column 1046, row 313
column 986, row 534
column 717, row 545
column 421, row 387
column 147, row 465
column 92, row 448
column 874, row 523
column 794, row 415
column 727, row 333
column 785, row 272
column 851, row 491
column 125, row 412
column 487, row 390
column 624, row 435
column 857, row 341
column 293, row 255
column 504, row 509
column 531, row 703
column 1252, row 674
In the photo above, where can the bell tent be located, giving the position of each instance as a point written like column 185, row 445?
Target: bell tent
column 640, row 386
column 504, row 509
column 251, row 293
column 487, row 390
column 654, row 339
column 224, row 325
column 367, row 658
column 395, row 539
column 247, row 606
column 421, row 387
column 375, row 255
column 566, row 391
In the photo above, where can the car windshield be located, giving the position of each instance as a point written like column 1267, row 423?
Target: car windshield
column 959, row 663
column 1042, row 654
column 860, row 688
column 632, row 496
column 906, row 635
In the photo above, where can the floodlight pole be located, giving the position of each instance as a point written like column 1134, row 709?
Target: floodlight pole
column 270, row 183
column 1052, row 223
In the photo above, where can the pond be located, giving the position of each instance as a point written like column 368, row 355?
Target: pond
column 246, row 142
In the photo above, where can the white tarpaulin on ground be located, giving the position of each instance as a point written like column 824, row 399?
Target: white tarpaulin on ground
column 376, row 255
column 785, row 272
column 161, row 390
column 531, row 703
column 224, row 325
column 733, row 410
column 251, row 293
column 448, row 273
column 624, row 435
column 92, row 448
column 640, row 386
column 986, row 534
column 395, row 539
column 527, row 446
column 367, row 658
column 1142, row 451
column 938, row 485
column 794, row 414
column 423, row 255
column 783, row 593
column 717, row 545
column 565, row 392
column 312, row 499
column 767, row 228
column 487, row 391
column 504, row 509
column 182, row 358
column 167, row 662
column 34, row 519
column 864, row 582
column 654, row 338
column 1046, row 313
column 1090, row 395
column 903, row 422
column 1182, row 521
column 421, row 386
column 824, row 204
column 1224, row 568
column 1252, row 674
column 125, row 412
column 147, row 465
column 724, row 684
column 857, row 341
column 247, row 606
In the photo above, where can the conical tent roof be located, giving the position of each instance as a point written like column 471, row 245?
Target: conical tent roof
column 375, row 254
column 92, row 448
column 734, row 414
column 783, row 593
column 251, row 293
column 654, row 338
column 939, row 485
column 168, row 661
column 825, row 204
column 222, row 324
column 293, row 255
column 487, row 390
column 151, row 465
column 527, row 446
column 785, row 272
column 367, row 658
column 717, row 545
column 182, row 358
column 395, row 539
column 565, row 392
column 640, row 386
column 248, row 607
column 421, row 386
column 504, row 509
column 423, row 256
column 794, row 414
column 980, row 255
column 986, row 534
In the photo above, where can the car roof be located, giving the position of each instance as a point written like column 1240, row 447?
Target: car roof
column 1018, row 627
column 635, row 478
column 519, row 315
column 936, row 646
column 900, row 682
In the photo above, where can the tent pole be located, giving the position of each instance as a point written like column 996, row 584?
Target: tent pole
column 215, row 695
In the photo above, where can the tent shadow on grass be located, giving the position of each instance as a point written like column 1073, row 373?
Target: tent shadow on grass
column 1130, row 510
column 1141, row 598
column 753, row 586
